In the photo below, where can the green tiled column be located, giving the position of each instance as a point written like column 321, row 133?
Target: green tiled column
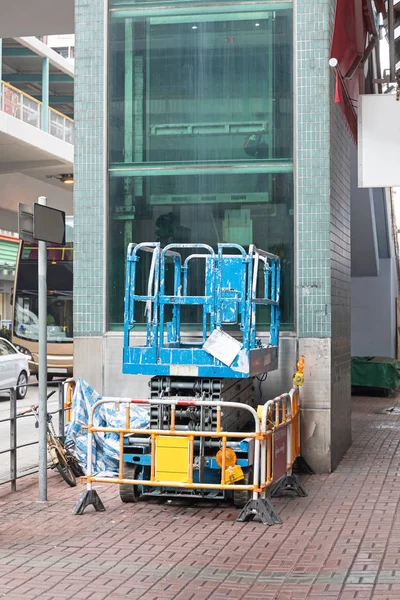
column 313, row 175
column 89, row 169
column 323, row 242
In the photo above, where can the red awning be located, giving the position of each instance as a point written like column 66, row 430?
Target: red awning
column 344, row 49
column 354, row 21
column 380, row 6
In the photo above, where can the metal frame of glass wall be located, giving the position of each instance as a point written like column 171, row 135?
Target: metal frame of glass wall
column 200, row 120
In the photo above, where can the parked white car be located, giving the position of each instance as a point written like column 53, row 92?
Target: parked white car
column 14, row 369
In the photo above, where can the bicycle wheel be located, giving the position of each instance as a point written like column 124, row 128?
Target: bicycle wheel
column 75, row 466
column 72, row 460
column 64, row 468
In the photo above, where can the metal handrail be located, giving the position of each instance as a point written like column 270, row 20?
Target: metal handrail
column 13, row 418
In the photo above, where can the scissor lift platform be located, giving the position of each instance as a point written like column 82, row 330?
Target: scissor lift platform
column 228, row 344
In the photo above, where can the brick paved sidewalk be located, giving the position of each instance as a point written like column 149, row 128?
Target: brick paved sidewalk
column 342, row 541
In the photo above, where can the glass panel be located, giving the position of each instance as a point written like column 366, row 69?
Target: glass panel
column 57, row 124
column 6, row 349
column 59, row 300
column 59, row 317
column 11, row 102
column 31, row 111
column 206, row 87
column 200, row 133
column 54, row 253
column 210, row 208
column 62, row 51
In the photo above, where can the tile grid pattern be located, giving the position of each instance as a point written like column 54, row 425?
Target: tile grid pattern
column 313, row 177
column 89, row 189
column 314, row 281
column 340, row 273
column 323, row 171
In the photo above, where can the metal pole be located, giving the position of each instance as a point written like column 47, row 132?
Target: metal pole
column 61, row 414
column 42, row 289
column 45, row 94
column 13, row 439
column 392, row 61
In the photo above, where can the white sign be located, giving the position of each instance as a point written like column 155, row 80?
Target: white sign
column 378, row 141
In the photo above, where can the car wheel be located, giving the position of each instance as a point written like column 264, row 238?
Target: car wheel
column 22, row 381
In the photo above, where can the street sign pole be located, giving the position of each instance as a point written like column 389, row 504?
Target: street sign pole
column 41, row 224
column 42, row 293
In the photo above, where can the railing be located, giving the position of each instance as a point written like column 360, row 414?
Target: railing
column 20, row 105
column 60, row 126
column 275, row 431
column 13, row 419
column 229, row 295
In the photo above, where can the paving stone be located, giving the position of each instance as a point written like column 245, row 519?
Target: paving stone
column 341, row 542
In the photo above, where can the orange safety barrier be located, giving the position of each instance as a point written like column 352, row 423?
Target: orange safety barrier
column 276, row 438
column 264, row 506
column 69, row 388
column 280, row 423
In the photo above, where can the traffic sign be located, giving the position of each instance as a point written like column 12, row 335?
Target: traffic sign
column 48, row 224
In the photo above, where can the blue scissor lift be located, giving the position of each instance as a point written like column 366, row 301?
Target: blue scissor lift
column 219, row 361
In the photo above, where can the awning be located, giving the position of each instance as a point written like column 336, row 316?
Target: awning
column 380, row 6
column 354, row 37
column 8, row 251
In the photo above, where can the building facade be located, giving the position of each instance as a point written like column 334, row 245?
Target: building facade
column 216, row 123
column 9, row 244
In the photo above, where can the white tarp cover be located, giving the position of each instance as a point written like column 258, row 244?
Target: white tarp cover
column 105, row 444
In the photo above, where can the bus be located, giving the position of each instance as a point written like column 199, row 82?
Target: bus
column 25, row 326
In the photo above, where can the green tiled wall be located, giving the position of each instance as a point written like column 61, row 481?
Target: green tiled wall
column 314, row 167
column 340, row 147
column 313, row 173
column 89, row 192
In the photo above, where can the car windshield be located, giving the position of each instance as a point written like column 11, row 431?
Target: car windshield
column 59, row 316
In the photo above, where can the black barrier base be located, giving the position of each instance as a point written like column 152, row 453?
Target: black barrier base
column 87, row 498
column 262, row 508
column 302, row 466
column 289, row 483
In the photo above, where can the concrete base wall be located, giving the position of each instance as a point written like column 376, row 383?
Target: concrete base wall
column 89, row 361
column 326, row 405
column 324, row 436
column 110, row 381
column 316, row 439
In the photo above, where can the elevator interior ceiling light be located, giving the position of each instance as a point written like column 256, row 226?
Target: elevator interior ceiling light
column 257, row 24
column 194, row 26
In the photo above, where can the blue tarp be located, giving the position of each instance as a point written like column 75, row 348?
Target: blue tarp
column 105, row 445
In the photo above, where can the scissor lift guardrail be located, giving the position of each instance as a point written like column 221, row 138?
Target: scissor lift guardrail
column 232, row 277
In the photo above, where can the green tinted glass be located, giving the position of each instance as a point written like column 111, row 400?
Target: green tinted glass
column 203, row 88
column 200, row 131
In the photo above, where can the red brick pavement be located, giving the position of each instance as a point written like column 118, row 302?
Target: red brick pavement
column 342, row 541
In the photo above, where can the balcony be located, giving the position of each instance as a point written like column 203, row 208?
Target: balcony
column 29, row 110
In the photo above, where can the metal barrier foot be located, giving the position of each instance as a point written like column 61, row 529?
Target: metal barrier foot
column 302, row 466
column 262, row 508
column 289, row 483
column 88, row 497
